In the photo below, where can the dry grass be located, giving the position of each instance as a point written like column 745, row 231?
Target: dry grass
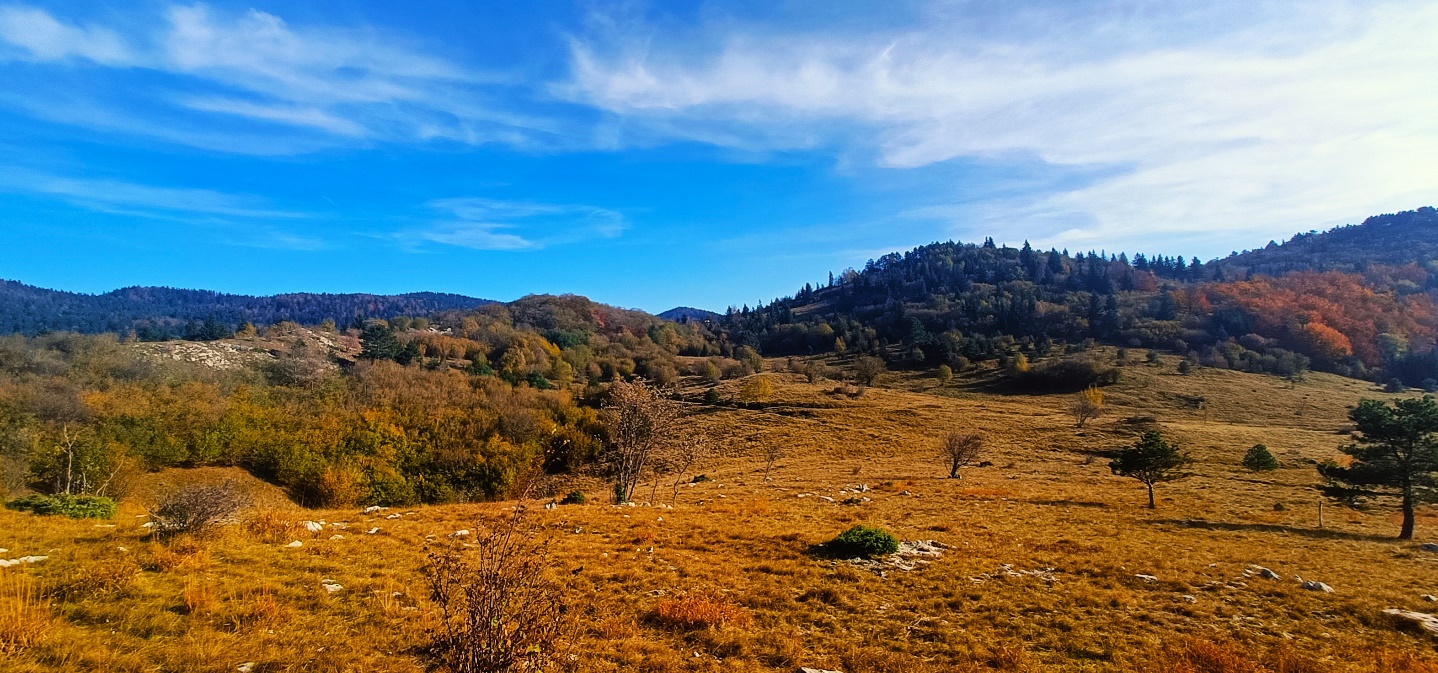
column 699, row 612
column 749, row 545
column 25, row 619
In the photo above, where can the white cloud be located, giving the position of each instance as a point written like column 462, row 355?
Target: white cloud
column 1231, row 120
column 492, row 224
column 118, row 196
column 344, row 84
column 44, row 38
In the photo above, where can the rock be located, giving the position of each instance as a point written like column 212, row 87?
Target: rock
column 314, row 526
column 1146, row 578
column 3, row 550
column 460, row 533
column 549, row 505
column 394, row 516
column 1263, row 572
column 826, row 498
column 337, row 537
column 148, row 524
column 1430, row 598
column 21, row 561
column 295, row 545
column 331, row 586
column 373, row 509
column 1421, row 620
column 1317, row 586
column 815, row 670
column 1189, row 599
column 1429, row 546
column 372, row 531
column 246, row 667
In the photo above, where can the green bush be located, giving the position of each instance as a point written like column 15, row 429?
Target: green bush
column 865, row 542
column 1260, row 459
column 574, row 498
column 1066, row 374
column 73, row 506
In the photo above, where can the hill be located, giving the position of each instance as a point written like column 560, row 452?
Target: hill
column 1357, row 301
column 682, row 313
column 161, row 312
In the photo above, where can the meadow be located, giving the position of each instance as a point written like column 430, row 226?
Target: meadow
column 1052, row 563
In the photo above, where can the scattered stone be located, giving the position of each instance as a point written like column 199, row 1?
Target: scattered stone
column 373, row 509
column 331, row 586
column 910, row 556
column 464, row 532
column 1422, row 620
column 394, row 516
column 1430, row 598
column 21, row 561
column 148, row 524
column 337, row 537
column 1317, row 586
column 826, row 498
column 1146, row 578
column 1261, row 571
column 1189, row 599
column 1007, row 570
column 372, row 531
column 295, row 545
column 812, row 670
column 246, row 667
column 550, row 505
column 314, row 526
column 3, row 550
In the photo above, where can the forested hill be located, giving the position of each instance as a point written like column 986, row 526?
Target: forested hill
column 160, row 312
column 1356, row 300
column 1395, row 239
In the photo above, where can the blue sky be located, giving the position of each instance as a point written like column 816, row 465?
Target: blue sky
column 697, row 153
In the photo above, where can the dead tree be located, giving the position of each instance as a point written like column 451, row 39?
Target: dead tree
column 961, row 449
column 642, row 423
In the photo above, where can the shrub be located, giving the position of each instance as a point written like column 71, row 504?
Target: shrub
column 1067, row 374
column 498, row 607
column 865, row 542
column 73, row 506
column 574, row 498
column 1430, row 385
column 1260, row 459
column 1394, row 386
column 198, row 509
column 699, row 612
column 711, row 396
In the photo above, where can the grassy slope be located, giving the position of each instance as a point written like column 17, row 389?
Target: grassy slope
column 242, row 597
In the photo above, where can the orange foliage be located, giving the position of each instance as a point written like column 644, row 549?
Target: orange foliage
column 1328, row 315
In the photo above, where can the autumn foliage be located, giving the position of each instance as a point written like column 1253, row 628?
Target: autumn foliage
column 1328, row 316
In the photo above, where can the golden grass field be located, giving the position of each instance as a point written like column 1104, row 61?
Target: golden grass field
column 107, row 599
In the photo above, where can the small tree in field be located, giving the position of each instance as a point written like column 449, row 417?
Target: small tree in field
column 961, row 449
column 757, row 388
column 1152, row 460
column 867, row 368
column 770, row 452
column 689, row 452
column 1087, row 405
column 1396, row 455
column 1260, row 459
column 945, row 374
column 641, row 423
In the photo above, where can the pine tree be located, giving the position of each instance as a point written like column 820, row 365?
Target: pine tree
column 1395, row 455
column 1151, row 461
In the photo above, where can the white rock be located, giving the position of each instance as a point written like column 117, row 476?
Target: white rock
column 314, row 526
column 1263, row 572
column 246, row 667
column 550, row 505
column 372, row 531
column 148, row 524
column 394, row 516
column 812, row 670
column 1430, row 598
column 1189, row 599
column 3, row 550
column 295, row 545
column 1422, row 620
column 331, row 587
column 1146, row 578
column 337, row 537
column 1317, row 586
column 460, row 533
column 374, row 508
column 826, row 498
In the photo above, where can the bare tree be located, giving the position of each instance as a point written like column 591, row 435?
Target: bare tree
column 771, row 452
column 1087, row 405
column 960, row 449
column 641, row 423
column 499, row 607
column 689, row 452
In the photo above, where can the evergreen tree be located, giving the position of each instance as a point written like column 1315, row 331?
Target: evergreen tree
column 1395, row 455
column 1151, row 461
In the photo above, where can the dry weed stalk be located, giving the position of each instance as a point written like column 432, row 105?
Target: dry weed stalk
column 499, row 608
column 25, row 619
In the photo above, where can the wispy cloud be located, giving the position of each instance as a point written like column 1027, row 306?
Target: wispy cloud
column 1224, row 119
column 253, row 67
column 491, row 224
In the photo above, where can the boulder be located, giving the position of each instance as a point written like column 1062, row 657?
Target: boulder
column 1263, row 572
column 295, row 545
column 1420, row 620
column 372, row 531
column 314, row 526
column 1317, row 586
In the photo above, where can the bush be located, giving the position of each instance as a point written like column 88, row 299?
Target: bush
column 1067, row 374
column 1394, row 386
column 73, row 506
column 198, row 509
column 865, row 542
column 574, row 498
column 1260, row 459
